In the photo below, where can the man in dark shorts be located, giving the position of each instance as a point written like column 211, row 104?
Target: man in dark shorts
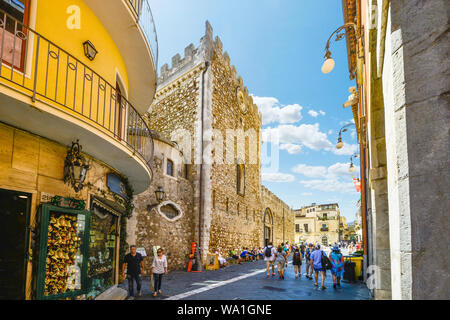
column 134, row 263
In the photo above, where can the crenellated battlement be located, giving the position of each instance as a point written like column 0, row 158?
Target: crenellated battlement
column 205, row 52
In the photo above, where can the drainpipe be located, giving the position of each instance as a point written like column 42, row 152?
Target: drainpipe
column 200, row 208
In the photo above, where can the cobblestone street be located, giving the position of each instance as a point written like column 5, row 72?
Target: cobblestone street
column 229, row 284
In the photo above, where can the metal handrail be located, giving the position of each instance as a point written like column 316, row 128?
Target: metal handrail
column 59, row 78
column 145, row 19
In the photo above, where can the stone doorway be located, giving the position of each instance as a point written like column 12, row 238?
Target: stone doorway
column 268, row 226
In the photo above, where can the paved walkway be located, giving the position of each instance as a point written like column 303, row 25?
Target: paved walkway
column 248, row 282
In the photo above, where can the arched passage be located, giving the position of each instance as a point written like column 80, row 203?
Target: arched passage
column 268, row 226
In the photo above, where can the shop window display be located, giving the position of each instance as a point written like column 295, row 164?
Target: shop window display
column 62, row 253
column 102, row 250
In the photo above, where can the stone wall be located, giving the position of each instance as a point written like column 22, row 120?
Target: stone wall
column 235, row 218
column 416, row 86
column 199, row 99
column 149, row 227
column 283, row 217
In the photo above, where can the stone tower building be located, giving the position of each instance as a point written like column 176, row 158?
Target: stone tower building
column 204, row 110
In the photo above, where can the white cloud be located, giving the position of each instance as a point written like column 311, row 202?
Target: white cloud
column 335, row 178
column 310, row 171
column 332, row 172
column 341, row 170
column 272, row 111
column 308, row 135
column 347, row 150
column 306, row 194
column 329, row 185
column 291, row 148
column 322, row 112
column 313, row 113
column 277, row 177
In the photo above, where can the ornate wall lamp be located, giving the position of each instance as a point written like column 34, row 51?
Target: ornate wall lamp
column 160, row 195
column 75, row 167
column 352, row 167
column 340, row 144
column 329, row 63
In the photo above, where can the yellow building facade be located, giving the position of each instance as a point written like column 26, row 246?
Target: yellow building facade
column 75, row 79
column 319, row 224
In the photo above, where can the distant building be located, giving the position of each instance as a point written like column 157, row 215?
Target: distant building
column 321, row 224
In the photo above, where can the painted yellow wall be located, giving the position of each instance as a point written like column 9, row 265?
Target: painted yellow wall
column 51, row 22
column 59, row 84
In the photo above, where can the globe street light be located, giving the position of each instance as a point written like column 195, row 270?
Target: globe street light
column 340, row 144
column 352, row 167
column 329, row 63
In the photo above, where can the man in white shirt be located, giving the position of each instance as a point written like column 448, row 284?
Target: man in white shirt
column 269, row 257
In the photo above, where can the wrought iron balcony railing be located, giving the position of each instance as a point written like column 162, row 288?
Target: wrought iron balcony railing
column 145, row 19
column 36, row 66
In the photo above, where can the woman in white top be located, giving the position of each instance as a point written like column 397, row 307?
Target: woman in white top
column 159, row 267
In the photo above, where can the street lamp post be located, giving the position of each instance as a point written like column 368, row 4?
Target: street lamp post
column 352, row 167
column 340, row 144
column 329, row 63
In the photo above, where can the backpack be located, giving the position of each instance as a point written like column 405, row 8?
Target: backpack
column 308, row 253
column 326, row 263
column 268, row 252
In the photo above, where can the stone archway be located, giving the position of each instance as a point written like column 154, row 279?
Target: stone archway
column 268, row 226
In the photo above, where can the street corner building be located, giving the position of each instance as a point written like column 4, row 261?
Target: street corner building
column 207, row 163
column 75, row 83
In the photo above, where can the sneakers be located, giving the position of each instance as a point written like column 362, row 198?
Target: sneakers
column 323, row 287
column 139, row 293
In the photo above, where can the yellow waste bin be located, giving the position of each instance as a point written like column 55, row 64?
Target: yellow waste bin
column 358, row 265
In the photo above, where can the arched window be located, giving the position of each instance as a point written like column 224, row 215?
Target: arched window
column 240, row 173
column 169, row 170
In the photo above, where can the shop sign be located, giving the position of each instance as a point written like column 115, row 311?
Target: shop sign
column 68, row 203
column 116, row 185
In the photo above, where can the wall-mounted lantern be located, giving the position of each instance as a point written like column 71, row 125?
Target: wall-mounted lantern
column 75, row 167
column 160, row 194
column 89, row 50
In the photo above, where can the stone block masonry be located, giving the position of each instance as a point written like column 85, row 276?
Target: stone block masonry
column 203, row 106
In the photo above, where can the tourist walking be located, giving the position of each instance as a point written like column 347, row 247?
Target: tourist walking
column 309, row 268
column 302, row 250
column 134, row 263
column 297, row 263
column 159, row 267
column 337, row 266
column 269, row 258
column 316, row 263
column 281, row 261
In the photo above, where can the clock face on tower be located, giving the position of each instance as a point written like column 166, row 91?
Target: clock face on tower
column 241, row 100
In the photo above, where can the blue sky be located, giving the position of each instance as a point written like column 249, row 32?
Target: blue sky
column 277, row 47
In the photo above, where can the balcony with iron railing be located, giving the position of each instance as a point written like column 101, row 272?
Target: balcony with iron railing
column 145, row 19
column 131, row 25
column 47, row 91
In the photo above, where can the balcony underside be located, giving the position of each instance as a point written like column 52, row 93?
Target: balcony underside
column 121, row 24
column 55, row 124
